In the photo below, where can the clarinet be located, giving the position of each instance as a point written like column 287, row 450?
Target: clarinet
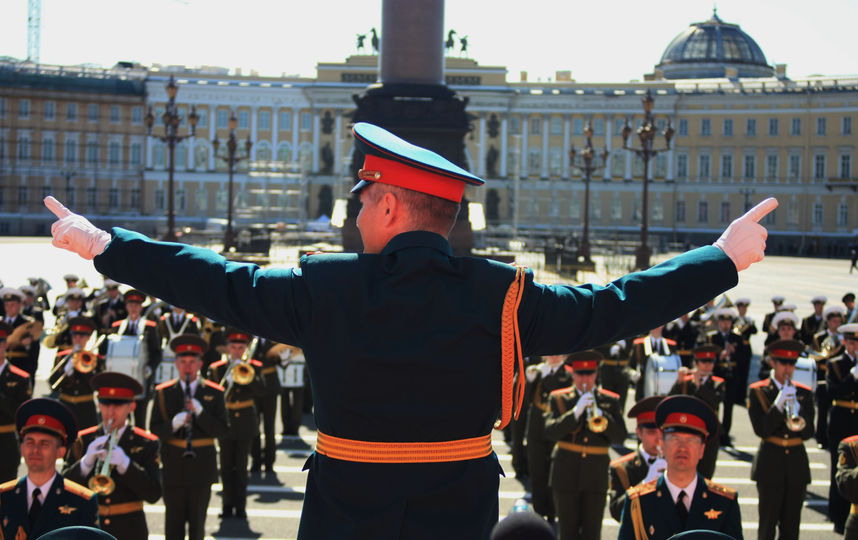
column 189, row 441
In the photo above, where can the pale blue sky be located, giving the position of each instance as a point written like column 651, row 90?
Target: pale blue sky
column 611, row 41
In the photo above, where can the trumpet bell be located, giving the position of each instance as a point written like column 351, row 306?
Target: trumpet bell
column 85, row 361
column 597, row 424
column 795, row 423
column 243, row 373
column 101, row 484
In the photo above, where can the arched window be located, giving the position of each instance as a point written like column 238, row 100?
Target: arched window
column 305, row 156
column 284, row 152
column 263, row 151
column 201, row 156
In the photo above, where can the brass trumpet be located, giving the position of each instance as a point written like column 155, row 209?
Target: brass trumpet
column 242, row 373
column 101, row 482
column 596, row 422
column 794, row 422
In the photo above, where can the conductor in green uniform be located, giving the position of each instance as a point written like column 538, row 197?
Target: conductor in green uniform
column 395, row 459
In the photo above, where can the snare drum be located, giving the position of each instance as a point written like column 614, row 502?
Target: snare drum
column 661, row 373
column 805, row 372
column 166, row 370
column 127, row 355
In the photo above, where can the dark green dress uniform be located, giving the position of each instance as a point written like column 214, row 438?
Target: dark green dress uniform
column 74, row 389
column 712, row 392
column 66, row 504
column 781, row 468
column 424, row 323
column 614, row 370
column 726, row 368
column 266, row 408
column 626, row 472
column 121, row 512
column 188, row 481
column 14, row 390
column 235, row 443
column 827, row 346
column 686, row 334
column 744, row 327
column 713, row 507
column 842, row 423
column 538, row 446
column 580, row 461
column 847, row 481
column 25, row 357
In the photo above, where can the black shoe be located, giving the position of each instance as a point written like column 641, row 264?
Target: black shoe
column 725, row 440
column 227, row 512
column 838, row 530
column 241, row 513
column 269, row 470
column 255, row 467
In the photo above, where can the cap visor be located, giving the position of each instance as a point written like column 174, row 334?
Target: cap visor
column 359, row 186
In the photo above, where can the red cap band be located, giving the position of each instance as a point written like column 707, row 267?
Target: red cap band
column 646, row 418
column 784, row 353
column 395, row 173
column 705, row 354
column 238, row 336
column 585, row 365
column 189, row 348
column 112, row 392
column 43, row 421
column 81, row 329
column 681, row 419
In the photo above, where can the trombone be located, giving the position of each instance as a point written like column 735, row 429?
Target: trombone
column 794, row 422
column 84, row 362
column 101, row 482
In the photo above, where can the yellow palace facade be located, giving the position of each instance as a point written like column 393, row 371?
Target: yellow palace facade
column 743, row 131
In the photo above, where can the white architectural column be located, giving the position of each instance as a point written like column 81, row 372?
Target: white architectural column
column 669, row 173
column 609, row 145
column 189, row 155
column 566, row 162
column 504, row 136
column 295, row 113
column 275, row 131
column 481, row 151
column 149, row 141
column 545, row 128
column 316, row 129
column 628, row 173
column 212, row 133
column 522, row 163
column 338, row 144
column 254, row 113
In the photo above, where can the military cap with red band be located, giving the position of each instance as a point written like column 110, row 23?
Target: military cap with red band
column 394, row 161
column 81, row 325
column 234, row 334
column 115, row 387
column 706, row 353
column 644, row 411
column 585, row 361
column 686, row 414
column 46, row 415
column 188, row 344
column 135, row 296
column 785, row 350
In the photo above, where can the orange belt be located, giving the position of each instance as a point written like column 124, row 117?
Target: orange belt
column 233, row 405
column 403, row 452
column 105, row 510
column 786, row 443
column 613, row 362
column 845, row 404
column 269, row 370
column 68, row 398
column 8, row 428
column 196, row 443
column 853, row 509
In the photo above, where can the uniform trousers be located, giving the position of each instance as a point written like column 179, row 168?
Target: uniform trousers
column 517, row 448
column 266, row 407
column 539, row 466
column 780, row 508
column 186, row 504
column 727, row 415
column 579, row 513
column 291, row 409
column 838, row 507
column 11, row 457
column 823, row 403
column 851, row 528
column 234, row 454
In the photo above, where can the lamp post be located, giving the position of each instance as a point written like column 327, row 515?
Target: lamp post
column 587, row 170
column 646, row 152
column 68, row 173
column 171, row 137
column 231, row 158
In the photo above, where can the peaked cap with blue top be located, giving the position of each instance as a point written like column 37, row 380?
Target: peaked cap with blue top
column 394, row 161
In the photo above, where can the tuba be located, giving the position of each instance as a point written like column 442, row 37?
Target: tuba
column 794, row 422
column 101, row 482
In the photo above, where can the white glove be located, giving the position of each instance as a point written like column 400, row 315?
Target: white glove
column 787, row 393
column 744, row 241
column 658, row 466
column 179, row 420
column 69, row 366
column 531, row 372
column 94, row 452
column 635, row 375
column 615, row 350
column 854, row 372
column 583, row 402
column 285, row 354
column 229, row 378
column 544, row 369
column 120, row 459
column 196, row 406
column 74, row 232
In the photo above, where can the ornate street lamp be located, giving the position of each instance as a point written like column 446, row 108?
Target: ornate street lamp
column 231, row 158
column 171, row 137
column 587, row 155
column 646, row 152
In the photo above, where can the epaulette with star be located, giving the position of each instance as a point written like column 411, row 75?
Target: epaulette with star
column 77, row 489
column 642, row 489
column 802, row 385
column 255, row 362
column 724, row 491
column 217, row 364
column 561, row 391
column 620, row 460
column 717, row 379
column 87, row 431
column 850, row 440
column 760, row 384
column 165, row 384
column 18, row 371
column 214, row 385
column 609, row 393
column 8, row 486
column 150, row 322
